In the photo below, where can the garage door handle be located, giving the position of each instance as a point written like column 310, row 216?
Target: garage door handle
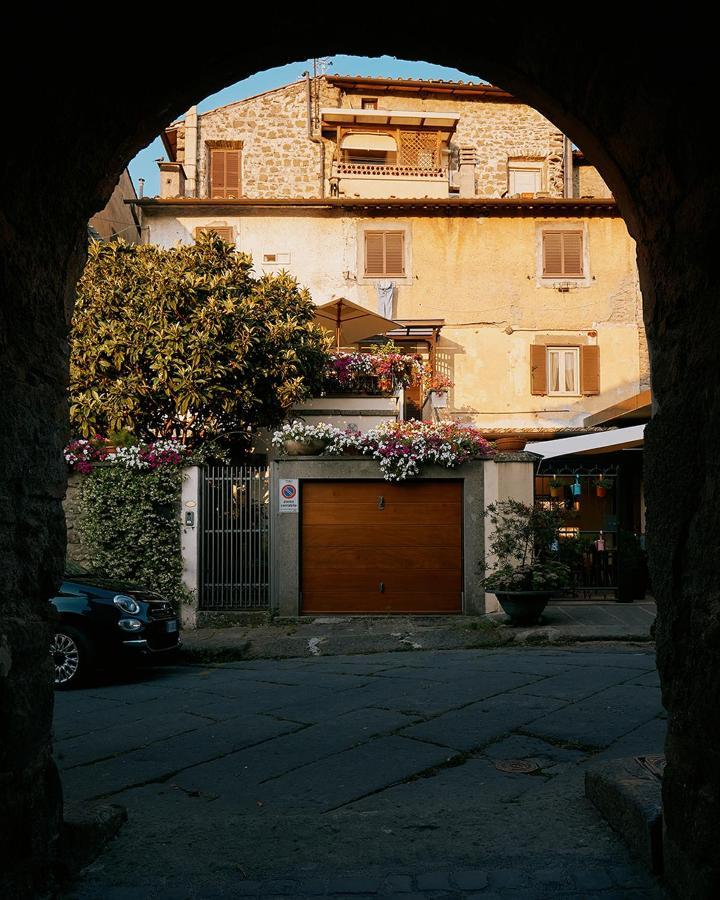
column 381, row 502
column 382, row 587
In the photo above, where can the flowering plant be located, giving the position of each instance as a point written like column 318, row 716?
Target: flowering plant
column 304, row 432
column 81, row 454
column 436, row 382
column 402, row 448
column 385, row 366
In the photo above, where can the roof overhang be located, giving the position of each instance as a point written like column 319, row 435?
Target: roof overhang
column 591, row 444
column 638, row 406
column 415, row 118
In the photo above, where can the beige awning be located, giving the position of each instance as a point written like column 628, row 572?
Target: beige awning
column 400, row 117
column 349, row 323
column 369, row 142
column 591, row 444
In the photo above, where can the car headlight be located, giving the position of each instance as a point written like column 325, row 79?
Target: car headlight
column 127, row 604
column 130, row 624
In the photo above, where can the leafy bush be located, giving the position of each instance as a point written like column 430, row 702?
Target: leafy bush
column 186, row 343
column 525, row 541
column 130, row 526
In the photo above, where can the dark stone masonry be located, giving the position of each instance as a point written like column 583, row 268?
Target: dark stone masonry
column 619, row 88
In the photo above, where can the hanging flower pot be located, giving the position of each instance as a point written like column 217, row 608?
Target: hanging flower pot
column 557, row 487
column 576, row 488
column 602, row 486
column 438, row 399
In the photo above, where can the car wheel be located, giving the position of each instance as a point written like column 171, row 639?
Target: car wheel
column 70, row 654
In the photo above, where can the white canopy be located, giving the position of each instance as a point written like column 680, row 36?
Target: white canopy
column 587, row 444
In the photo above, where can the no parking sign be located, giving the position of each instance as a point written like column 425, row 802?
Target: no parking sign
column 289, row 497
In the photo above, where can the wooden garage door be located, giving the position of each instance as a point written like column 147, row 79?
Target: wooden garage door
column 375, row 547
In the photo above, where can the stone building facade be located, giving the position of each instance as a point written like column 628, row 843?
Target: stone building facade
column 474, row 186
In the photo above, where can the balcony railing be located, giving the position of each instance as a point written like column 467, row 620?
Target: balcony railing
column 374, row 170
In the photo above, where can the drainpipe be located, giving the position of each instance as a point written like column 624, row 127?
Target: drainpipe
column 190, row 161
column 311, row 135
column 568, row 166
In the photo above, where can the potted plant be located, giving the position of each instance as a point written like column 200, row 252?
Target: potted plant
column 527, row 571
column 602, row 486
column 437, row 386
column 299, row 438
column 556, row 487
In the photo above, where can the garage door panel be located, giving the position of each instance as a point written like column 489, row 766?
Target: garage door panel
column 428, row 536
column 362, row 602
column 374, row 558
column 374, row 547
column 359, row 491
column 433, row 580
column 431, row 513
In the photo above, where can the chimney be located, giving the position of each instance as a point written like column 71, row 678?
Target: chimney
column 172, row 179
column 191, row 152
column 466, row 180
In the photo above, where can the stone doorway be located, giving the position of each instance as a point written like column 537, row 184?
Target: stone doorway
column 611, row 93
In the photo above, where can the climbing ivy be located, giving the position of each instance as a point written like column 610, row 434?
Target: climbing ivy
column 130, row 527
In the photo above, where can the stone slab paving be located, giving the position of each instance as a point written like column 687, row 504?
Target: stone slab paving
column 362, row 776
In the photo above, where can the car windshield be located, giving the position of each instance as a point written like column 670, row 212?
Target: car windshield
column 73, row 568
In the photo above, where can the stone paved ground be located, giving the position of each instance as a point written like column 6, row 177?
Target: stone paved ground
column 362, row 776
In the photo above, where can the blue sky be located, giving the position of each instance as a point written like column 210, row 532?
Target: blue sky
column 144, row 166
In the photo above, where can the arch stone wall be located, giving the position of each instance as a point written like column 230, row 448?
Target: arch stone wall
column 623, row 93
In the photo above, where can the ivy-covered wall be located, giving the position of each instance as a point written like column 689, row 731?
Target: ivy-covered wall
column 125, row 523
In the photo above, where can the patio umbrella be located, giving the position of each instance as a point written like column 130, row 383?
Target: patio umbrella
column 351, row 323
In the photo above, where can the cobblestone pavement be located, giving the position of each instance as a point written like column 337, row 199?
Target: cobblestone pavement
column 363, row 776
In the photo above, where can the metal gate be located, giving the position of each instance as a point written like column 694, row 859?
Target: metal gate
column 234, row 537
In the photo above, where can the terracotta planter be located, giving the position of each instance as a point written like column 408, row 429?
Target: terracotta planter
column 556, row 492
column 600, row 491
column 510, row 444
column 303, row 448
column 523, row 607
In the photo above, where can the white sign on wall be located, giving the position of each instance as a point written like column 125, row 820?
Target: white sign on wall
column 289, row 496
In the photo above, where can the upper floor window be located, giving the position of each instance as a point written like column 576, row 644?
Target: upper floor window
column 563, row 254
column 224, row 232
column 225, row 180
column 564, row 370
column 385, row 254
column 369, row 103
column 524, row 177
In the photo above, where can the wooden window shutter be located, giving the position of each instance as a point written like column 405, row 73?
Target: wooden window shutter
column 590, row 369
column 538, row 369
column 384, row 253
column 224, row 232
column 563, row 254
column 224, row 173
column 374, row 253
column 394, row 253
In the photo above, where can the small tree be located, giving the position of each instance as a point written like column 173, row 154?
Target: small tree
column 187, row 343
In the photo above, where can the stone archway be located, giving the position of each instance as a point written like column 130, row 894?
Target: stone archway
column 608, row 89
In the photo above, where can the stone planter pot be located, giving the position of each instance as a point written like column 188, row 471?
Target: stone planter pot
column 523, row 607
column 438, row 399
column 304, row 448
column 509, row 444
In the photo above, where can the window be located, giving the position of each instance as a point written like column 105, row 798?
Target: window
column 225, row 232
column 364, row 149
column 524, row 178
column 563, row 371
column 563, row 254
column 559, row 370
column 369, row 103
column 225, row 173
column 384, row 253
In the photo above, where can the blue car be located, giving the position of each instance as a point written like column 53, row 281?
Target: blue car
column 102, row 621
